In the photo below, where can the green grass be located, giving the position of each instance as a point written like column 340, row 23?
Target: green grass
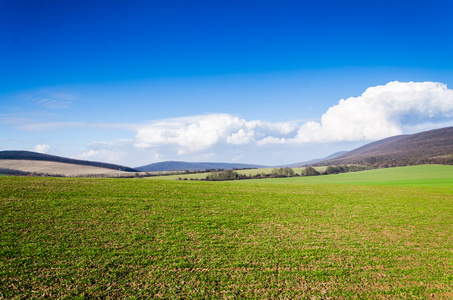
column 249, row 172
column 137, row 238
column 423, row 175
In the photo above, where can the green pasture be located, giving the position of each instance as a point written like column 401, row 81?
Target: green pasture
column 80, row 238
column 423, row 175
column 249, row 172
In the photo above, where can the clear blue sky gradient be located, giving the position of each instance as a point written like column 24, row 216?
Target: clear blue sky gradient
column 139, row 61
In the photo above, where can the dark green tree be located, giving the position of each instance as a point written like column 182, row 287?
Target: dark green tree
column 309, row 171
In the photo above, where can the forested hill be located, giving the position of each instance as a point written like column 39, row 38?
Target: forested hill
column 193, row 166
column 434, row 146
column 29, row 155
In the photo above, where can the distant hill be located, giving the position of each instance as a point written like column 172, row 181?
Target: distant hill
column 29, row 155
column 314, row 161
column 24, row 167
column 434, row 146
column 193, row 166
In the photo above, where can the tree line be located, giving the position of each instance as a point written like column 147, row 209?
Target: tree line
column 282, row 172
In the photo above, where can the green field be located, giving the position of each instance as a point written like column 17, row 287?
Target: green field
column 424, row 175
column 383, row 235
column 248, row 172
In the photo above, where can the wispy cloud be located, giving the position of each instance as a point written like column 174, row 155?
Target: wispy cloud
column 14, row 119
column 51, row 100
column 54, row 103
column 49, row 126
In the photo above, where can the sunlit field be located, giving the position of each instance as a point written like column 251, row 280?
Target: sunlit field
column 423, row 175
column 268, row 238
column 247, row 172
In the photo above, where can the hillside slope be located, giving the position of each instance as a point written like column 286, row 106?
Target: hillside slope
column 52, row 168
column 314, row 161
column 34, row 156
column 434, row 146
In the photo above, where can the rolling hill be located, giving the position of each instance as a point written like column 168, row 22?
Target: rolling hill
column 433, row 146
column 34, row 156
column 51, row 168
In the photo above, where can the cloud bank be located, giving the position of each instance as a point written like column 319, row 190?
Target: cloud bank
column 198, row 133
column 378, row 113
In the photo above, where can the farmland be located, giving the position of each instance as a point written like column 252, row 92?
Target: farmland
column 247, row 172
column 371, row 235
column 423, row 175
column 58, row 168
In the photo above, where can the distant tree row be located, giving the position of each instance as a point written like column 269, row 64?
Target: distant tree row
column 12, row 172
column 282, row 172
column 398, row 160
column 223, row 175
column 309, row 171
column 344, row 169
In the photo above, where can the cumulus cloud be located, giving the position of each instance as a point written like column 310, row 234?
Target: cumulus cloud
column 241, row 137
column 42, row 148
column 190, row 134
column 198, row 133
column 379, row 112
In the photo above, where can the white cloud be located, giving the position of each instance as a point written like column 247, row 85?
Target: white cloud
column 241, row 137
column 190, row 134
column 54, row 103
column 42, row 148
column 379, row 112
column 198, row 133
column 271, row 140
column 50, row 99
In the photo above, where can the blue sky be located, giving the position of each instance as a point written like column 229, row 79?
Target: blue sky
column 136, row 82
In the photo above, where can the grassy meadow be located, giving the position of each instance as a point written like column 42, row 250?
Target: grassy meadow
column 422, row 175
column 369, row 236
